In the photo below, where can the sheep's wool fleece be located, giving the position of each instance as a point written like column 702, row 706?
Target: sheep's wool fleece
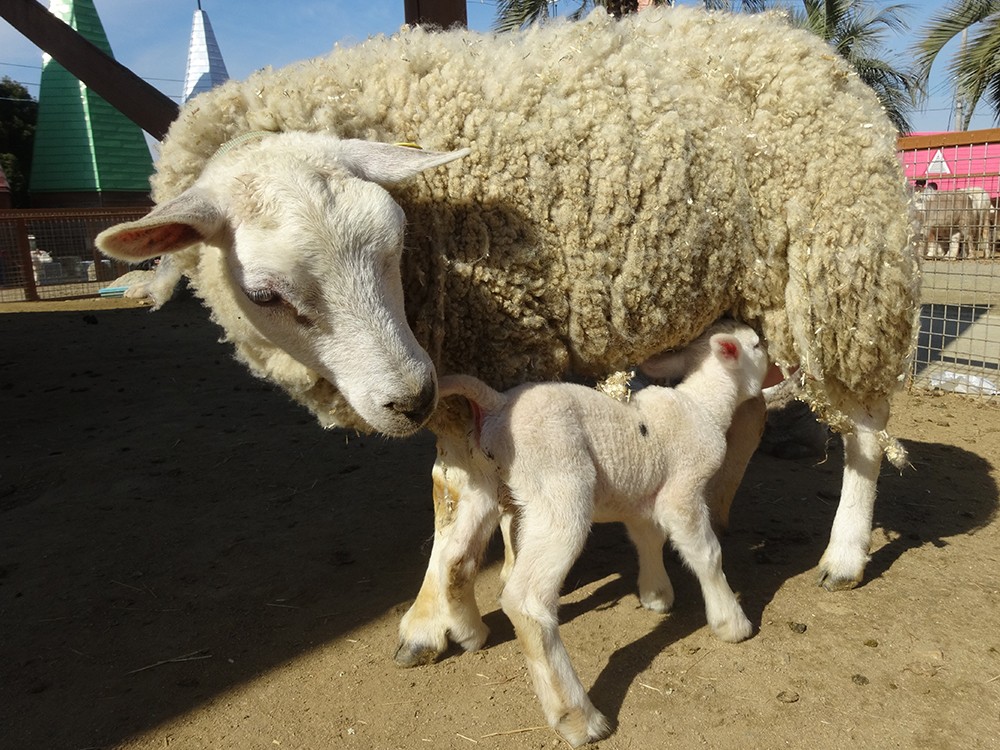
column 629, row 182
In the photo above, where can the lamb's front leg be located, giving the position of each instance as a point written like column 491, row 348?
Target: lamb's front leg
column 742, row 439
column 692, row 535
column 655, row 590
column 465, row 515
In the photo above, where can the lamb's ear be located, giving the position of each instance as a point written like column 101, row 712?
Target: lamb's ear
column 387, row 164
column 726, row 348
column 187, row 219
column 669, row 366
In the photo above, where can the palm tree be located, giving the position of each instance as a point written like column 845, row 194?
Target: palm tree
column 975, row 67
column 516, row 14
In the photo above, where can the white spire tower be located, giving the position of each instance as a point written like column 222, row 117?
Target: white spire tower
column 205, row 67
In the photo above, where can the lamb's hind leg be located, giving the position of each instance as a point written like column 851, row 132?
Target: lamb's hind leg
column 465, row 515
column 546, row 546
column 843, row 563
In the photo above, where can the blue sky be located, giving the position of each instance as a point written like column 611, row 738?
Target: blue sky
column 151, row 37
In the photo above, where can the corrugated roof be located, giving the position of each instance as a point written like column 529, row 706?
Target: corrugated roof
column 82, row 143
column 205, row 66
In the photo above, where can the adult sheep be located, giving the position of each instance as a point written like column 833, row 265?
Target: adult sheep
column 953, row 216
column 626, row 184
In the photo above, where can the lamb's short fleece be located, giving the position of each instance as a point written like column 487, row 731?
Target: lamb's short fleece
column 570, row 455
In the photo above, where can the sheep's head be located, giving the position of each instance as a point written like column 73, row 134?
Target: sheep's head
column 312, row 244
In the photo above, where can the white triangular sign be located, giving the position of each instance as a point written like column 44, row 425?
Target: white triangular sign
column 938, row 164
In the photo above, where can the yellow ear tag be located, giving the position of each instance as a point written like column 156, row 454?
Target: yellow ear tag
column 409, row 144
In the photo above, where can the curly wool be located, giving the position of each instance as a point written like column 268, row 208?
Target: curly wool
column 629, row 183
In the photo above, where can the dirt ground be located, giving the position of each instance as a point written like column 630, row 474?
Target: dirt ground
column 188, row 561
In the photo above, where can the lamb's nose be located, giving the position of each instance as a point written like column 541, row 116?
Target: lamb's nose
column 419, row 407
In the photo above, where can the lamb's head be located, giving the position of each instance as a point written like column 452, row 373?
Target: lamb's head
column 733, row 346
column 311, row 242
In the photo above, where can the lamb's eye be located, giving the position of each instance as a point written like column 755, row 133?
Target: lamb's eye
column 263, row 296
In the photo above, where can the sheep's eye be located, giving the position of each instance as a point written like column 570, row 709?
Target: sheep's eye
column 263, row 296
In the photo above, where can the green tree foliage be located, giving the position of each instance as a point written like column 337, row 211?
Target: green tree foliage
column 975, row 66
column 18, row 113
column 516, row 14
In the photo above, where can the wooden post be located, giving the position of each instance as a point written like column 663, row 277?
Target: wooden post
column 146, row 106
column 24, row 252
column 443, row 13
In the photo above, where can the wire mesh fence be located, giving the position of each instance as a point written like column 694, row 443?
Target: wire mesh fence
column 51, row 254
column 956, row 183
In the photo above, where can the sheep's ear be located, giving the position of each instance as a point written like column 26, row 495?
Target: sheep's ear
column 386, row 164
column 726, row 348
column 184, row 221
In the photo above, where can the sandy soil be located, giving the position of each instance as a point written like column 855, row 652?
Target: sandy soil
column 188, row 561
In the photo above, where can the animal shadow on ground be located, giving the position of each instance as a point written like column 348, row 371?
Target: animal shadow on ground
column 158, row 505
column 778, row 530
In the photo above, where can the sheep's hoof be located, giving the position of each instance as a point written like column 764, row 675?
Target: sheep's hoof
column 415, row 654
column 835, row 583
column 578, row 727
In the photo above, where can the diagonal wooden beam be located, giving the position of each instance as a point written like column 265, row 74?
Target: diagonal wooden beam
column 143, row 104
column 443, row 13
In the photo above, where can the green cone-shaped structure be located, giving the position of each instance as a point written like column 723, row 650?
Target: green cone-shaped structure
column 82, row 143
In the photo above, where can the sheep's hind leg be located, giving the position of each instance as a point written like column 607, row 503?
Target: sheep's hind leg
column 843, row 563
column 465, row 515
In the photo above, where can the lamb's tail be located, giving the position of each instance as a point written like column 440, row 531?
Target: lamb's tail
column 474, row 389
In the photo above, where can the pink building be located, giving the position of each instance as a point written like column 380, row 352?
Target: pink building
column 953, row 160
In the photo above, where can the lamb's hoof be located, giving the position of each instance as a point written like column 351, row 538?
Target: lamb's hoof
column 842, row 567
column 415, row 654
column 735, row 630
column 659, row 601
column 474, row 638
column 578, row 727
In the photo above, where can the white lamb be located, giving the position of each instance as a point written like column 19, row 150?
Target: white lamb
column 604, row 190
column 570, row 456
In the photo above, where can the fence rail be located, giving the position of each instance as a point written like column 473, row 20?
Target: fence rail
column 50, row 254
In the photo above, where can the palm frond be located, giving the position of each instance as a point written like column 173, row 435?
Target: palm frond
column 951, row 21
column 516, row 14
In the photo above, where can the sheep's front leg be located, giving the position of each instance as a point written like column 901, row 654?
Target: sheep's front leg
column 465, row 515
column 160, row 288
column 742, row 439
column 656, row 593
column 843, row 563
column 954, row 245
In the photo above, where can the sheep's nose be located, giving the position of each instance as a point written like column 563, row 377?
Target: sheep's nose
column 419, row 407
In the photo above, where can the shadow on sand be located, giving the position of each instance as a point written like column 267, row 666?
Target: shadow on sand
column 158, row 505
